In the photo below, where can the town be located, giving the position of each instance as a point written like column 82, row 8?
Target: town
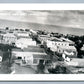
column 28, row 51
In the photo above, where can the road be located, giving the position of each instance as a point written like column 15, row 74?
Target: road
column 23, row 69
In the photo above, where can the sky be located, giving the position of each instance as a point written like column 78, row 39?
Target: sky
column 66, row 18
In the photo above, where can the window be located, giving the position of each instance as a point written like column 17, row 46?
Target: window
column 53, row 43
column 19, row 57
column 58, row 43
column 59, row 50
column 63, row 50
column 35, row 61
column 71, row 44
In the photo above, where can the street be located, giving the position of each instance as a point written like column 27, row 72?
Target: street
column 23, row 69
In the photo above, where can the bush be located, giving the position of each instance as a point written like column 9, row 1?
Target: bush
column 6, row 67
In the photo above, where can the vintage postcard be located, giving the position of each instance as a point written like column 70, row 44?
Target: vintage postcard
column 41, row 42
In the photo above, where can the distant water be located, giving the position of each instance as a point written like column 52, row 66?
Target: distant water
column 35, row 26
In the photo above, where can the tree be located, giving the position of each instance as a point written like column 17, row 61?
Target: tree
column 26, row 29
column 6, row 60
column 5, row 67
column 41, row 66
column 79, row 45
column 16, row 29
column 21, row 29
column 79, row 41
column 7, row 28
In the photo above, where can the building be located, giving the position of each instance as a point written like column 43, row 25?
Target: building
column 61, row 45
column 33, row 31
column 71, row 50
column 29, row 58
column 22, row 34
column 43, row 38
column 25, row 42
column 9, row 38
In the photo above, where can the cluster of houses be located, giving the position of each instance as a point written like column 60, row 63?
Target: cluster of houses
column 58, row 45
column 33, row 46
column 27, row 50
column 16, row 37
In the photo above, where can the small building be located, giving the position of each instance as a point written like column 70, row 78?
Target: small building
column 71, row 50
column 30, row 58
column 43, row 38
column 22, row 34
column 9, row 38
column 25, row 42
column 60, row 45
column 33, row 31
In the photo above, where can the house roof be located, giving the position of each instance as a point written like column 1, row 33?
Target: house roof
column 9, row 35
column 30, row 49
column 69, row 47
column 61, row 39
column 66, row 40
column 24, row 40
column 45, row 57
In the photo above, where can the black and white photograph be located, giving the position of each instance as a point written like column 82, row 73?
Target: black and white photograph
column 41, row 41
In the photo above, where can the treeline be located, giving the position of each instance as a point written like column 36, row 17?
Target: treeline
column 79, row 42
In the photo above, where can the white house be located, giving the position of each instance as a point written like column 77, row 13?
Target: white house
column 9, row 38
column 70, row 50
column 30, row 58
column 60, row 45
column 43, row 38
column 22, row 34
column 25, row 42
column 33, row 31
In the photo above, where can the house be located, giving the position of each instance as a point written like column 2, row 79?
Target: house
column 33, row 31
column 29, row 58
column 9, row 38
column 43, row 38
column 70, row 50
column 25, row 42
column 59, row 42
column 22, row 34
column 61, row 45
